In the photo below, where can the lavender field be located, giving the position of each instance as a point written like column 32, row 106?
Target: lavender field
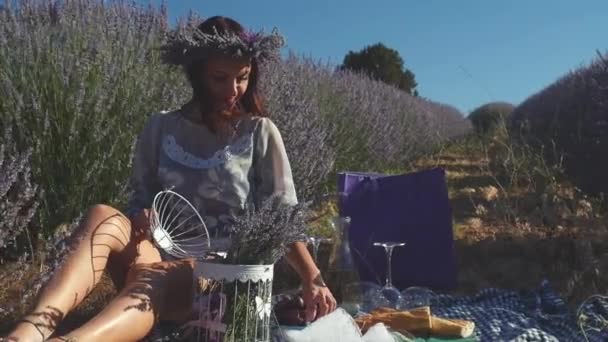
column 78, row 81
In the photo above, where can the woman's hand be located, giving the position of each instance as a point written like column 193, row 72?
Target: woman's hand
column 140, row 224
column 318, row 299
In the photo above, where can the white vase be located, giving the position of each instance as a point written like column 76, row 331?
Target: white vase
column 238, row 306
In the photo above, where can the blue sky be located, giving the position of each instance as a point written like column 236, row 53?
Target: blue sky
column 463, row 53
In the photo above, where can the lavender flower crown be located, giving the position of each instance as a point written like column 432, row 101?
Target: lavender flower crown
column 188, row 44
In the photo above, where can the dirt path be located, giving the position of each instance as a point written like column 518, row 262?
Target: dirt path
column 495, row 249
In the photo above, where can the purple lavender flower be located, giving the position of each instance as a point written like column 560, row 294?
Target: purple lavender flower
column 250, row 37
column 18, row 198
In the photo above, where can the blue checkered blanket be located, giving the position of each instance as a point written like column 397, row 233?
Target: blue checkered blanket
column 519, row 316
column 539, row 315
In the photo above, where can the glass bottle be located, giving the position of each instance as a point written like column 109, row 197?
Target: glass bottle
column 343, row 270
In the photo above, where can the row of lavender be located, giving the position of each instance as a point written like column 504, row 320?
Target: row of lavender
column 78, row 78
column 569, row 121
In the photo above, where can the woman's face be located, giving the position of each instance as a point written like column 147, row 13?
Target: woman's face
column 226, row 80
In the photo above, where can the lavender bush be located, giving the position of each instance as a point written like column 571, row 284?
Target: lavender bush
column 569, row 119
column 292, row 98
column 336, row 120
column 488, row 118
column 78, row 78
column 18, row 198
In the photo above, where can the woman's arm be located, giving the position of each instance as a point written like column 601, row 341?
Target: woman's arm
column 143, row 181
column 300, row 259
column 273, row 177
column 318, row 300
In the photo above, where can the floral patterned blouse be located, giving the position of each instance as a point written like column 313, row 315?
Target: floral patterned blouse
column 219, row 178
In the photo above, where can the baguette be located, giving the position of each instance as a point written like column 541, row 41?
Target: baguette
column 445, row 327
column 412, row 321
column 417, row 321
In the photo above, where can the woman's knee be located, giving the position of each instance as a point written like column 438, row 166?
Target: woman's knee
column 164, row 287
column 108, row 226
column 104, row 210
column 167, row 287
column 125, row 264
column 173, row 276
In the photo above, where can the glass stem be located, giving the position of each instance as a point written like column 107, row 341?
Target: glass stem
column 315, row 249
column 389, row 275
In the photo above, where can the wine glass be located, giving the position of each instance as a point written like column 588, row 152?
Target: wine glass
column 316, row 241
column 390, row 292
column 363, row 296
column 414, row 297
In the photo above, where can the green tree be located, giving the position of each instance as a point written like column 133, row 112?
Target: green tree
column 382, row 63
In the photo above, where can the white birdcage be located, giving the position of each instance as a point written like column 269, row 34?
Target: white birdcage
column 236, row 304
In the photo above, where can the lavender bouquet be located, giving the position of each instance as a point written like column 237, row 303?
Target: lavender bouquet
column 260, row 237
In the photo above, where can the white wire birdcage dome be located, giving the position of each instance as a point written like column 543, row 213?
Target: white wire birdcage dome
column 177, row 227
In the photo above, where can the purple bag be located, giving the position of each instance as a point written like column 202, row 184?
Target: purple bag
column 412, row 208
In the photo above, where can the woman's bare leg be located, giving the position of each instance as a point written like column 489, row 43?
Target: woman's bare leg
column 162, row 289
column 105, row 230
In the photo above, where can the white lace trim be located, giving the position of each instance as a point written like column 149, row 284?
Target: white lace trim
column 177, row 153
column 228, row 272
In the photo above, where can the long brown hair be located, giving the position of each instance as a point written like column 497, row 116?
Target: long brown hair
column 251, row 102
